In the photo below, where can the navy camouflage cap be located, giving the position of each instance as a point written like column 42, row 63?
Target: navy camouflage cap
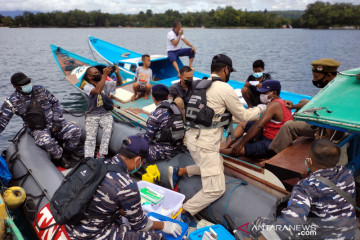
column 137, row 144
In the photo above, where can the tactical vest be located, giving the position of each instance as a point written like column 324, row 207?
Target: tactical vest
column 35, row 115
column 200, row 116
column 174, row 131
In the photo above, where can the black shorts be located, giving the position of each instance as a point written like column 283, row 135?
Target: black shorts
column 141, row 88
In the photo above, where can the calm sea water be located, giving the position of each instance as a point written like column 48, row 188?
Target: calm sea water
column 287, row 54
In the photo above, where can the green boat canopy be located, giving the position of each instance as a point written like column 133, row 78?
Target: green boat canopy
column 337, row 105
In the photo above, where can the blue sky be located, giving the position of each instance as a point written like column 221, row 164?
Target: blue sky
column 157, row 6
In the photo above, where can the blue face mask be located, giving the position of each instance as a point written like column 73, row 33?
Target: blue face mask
column 258, row 74
column 306, row 164
column 136, row 169
column 26, row 88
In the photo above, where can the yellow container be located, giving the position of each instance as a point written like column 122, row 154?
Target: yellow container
column 147, row 177
column 152, row 173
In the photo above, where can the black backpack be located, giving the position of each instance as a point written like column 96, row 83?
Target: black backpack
column 174, row 131
column 70, row 200
column 35, row 115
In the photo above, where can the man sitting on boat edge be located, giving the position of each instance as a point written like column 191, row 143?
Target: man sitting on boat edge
column 41, row 112
column 275, row 115
column 174, row 49
column 324, row 71
column 316, row 205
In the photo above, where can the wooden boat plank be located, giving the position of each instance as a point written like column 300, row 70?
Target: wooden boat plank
column 298, row 152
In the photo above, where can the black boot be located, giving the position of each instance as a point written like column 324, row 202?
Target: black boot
column 75, row 155
column 62, row 162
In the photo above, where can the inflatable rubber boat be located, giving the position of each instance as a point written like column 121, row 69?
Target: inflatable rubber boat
column 33, row 170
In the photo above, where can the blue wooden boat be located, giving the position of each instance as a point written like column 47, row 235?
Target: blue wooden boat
column 161, row 66
column 137, row 113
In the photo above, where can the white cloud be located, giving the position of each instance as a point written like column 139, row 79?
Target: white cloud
column 157, row 6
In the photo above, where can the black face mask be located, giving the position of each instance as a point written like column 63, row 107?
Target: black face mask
column 227, row 76
column 320, row 83
column 97, row 77
column 188, row 82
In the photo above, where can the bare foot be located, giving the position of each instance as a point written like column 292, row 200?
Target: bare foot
column 226, row 151
column 262, row 164
column 133, row 97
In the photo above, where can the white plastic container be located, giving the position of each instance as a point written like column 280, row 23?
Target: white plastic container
column 171, row 204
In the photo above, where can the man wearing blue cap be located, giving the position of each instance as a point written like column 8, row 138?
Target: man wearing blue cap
column 165, row 127
column 274, row 117
column 118, row 195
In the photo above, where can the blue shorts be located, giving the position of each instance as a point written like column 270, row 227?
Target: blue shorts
column 172, row 55
column 259, row 149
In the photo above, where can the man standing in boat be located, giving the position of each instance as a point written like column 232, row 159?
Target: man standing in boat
column 322, row 204
column 174, row 49
column 218, row 104
column 324, row 71
column 41, row 112
column 96, row 115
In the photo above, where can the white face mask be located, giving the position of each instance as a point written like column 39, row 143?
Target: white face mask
column 264, row 98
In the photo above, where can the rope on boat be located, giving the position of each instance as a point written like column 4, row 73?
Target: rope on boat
column 75, row 113
column 15, row 157
column 242, row 182
column 351, row 75
column 92, row 53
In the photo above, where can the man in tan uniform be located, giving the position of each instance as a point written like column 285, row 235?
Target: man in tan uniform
column 204, row 143
column 324, row 71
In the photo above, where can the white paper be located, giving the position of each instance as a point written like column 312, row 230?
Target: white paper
column 254, row 83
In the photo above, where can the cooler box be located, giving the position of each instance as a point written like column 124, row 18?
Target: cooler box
column 184, row 226
column 219, row 229
column 169, row 207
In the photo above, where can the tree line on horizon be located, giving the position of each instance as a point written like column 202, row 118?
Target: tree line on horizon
column 317, row 15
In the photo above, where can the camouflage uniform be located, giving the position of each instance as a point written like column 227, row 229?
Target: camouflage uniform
column 158, row 120
column 116, row 192
column 69, row 134
column 314, row 203
column 96, row 115
column 92, row 124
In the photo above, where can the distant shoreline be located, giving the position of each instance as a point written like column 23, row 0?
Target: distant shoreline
column 330, row 28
